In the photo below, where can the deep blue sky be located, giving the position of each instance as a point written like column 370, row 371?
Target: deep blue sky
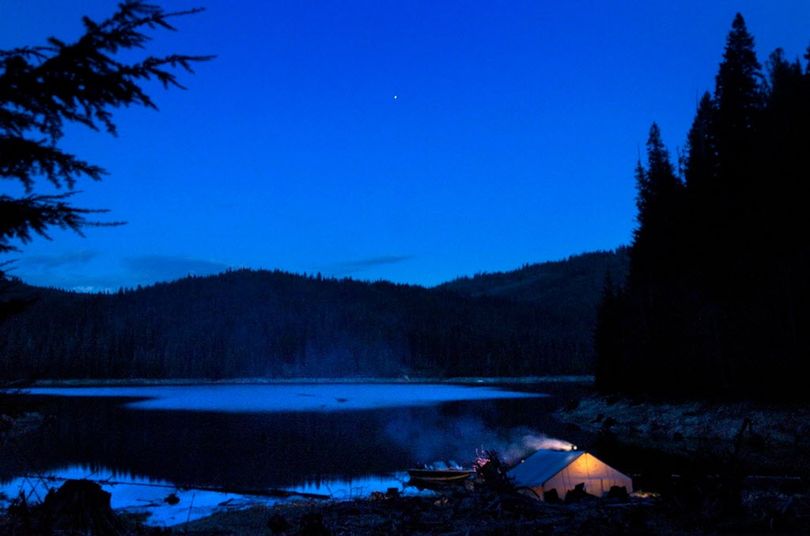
column 512, row 138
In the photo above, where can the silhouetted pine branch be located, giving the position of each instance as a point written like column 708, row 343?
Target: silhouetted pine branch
column 43, row 88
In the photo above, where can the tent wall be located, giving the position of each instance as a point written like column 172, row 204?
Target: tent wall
column 597, row 476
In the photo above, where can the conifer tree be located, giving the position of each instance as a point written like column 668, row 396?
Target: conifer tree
column 739, row 99
column 738, row 85
column 658, row 200
column 45, row 88
column 728, row 317
column 700, row 165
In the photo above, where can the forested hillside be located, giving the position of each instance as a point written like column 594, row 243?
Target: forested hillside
column 569, row 290
column 261, row 323
column 716, row 301
column 574, row 283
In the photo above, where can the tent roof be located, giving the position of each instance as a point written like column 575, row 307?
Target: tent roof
column 542, row 465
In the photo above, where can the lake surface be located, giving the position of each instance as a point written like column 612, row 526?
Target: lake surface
column 338, row 439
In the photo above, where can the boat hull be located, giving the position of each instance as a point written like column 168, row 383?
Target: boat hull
column 433, row 479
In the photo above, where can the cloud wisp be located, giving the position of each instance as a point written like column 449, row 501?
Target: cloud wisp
column 50, row 262
column 153, row 268
column 359, row 265
column 91, row 271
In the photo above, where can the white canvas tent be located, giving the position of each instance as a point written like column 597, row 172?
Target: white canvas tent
column 563, row 470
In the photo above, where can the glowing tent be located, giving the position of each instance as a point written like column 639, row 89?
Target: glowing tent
column 563, row 470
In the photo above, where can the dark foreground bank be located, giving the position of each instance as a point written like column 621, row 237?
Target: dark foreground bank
column 508, row 514
column 82, row 507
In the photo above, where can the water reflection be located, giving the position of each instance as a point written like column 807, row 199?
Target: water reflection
column 266, row 450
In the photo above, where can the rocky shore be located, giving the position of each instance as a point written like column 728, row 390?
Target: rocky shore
column 769, row 440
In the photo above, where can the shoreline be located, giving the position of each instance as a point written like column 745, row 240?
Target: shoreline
column 466, row 380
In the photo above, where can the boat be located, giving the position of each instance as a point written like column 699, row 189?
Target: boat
column 437, row 478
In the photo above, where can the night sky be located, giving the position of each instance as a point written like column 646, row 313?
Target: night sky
column 409, row 141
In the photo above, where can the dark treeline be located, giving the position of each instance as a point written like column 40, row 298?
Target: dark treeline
column 716, row 301
column 261, row 323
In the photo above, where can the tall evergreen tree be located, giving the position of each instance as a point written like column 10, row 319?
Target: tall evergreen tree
column 659, row 198
column 700, row 169
column 739, row 97
column 700, row 165
column 738, row 90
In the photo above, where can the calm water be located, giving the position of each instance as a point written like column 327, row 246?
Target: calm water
column 339, row 439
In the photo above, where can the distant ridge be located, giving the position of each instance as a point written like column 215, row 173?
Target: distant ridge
column 577, row 278
column 537, row 320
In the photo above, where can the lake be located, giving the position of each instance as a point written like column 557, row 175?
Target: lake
column 337, row 439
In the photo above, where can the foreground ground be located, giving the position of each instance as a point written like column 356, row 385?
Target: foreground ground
column 505, row 514
column 461, row 514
